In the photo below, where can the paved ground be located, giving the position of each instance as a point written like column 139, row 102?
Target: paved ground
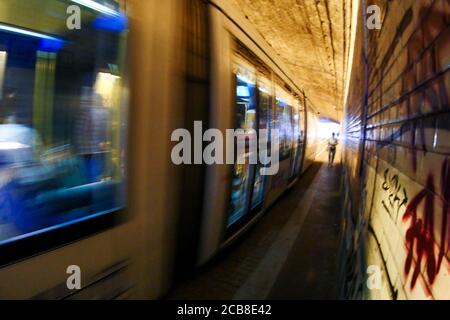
column 291, row 253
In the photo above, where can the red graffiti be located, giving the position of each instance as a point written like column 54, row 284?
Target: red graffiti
column 420, row 234
column 445, row 227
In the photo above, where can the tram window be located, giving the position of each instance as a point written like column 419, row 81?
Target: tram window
column 265, row 116
column 245, row 120
column 62, row 115
column 297, row 147
column 283, row 115
column 265, row 103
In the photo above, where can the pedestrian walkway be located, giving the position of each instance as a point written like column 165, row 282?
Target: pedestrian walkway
column 291, row 253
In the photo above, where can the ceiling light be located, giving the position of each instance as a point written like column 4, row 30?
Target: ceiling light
column 97, row 7
column 7, row 28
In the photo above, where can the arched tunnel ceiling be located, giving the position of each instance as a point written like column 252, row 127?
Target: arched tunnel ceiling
column 312, row 38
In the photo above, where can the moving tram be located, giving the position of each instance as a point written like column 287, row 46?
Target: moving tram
column 86, row 116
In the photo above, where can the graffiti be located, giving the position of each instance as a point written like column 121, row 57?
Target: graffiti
column 420, row 237
column 397, row 196
column 406, row 133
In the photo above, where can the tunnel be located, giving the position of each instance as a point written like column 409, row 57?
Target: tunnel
column 224, row 150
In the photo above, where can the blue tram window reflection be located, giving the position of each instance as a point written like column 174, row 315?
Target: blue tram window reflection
column 265, row 117
column 283, row 124
column 297, row 144
column 245, row 120
column 62, row 119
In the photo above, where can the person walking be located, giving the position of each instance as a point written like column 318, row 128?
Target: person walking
column 332, row 144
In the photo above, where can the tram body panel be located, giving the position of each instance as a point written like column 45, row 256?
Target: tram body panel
column 229, row 28
column 217, row 176
column 140, row 245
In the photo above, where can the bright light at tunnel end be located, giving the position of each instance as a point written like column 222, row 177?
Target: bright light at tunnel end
column 326, row 128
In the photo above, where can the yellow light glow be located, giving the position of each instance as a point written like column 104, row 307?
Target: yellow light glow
column 105, row 85
column 3, row 59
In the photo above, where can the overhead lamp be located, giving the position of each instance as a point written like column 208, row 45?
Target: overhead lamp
column 29, row 33
column 97, row 7
column 47, row 43
column 5, row 145
column 245, row 79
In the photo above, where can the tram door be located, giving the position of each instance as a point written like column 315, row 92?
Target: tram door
column 246, row 123
column 297, row 143
column 253, row 112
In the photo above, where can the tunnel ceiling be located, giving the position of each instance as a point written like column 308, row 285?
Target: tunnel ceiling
column 311, row 37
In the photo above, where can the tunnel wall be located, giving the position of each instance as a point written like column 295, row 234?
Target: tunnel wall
column 397, row 164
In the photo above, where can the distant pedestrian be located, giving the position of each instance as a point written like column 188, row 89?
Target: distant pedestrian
column 332, row 144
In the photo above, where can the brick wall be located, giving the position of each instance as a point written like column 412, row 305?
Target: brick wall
column 397, row 154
